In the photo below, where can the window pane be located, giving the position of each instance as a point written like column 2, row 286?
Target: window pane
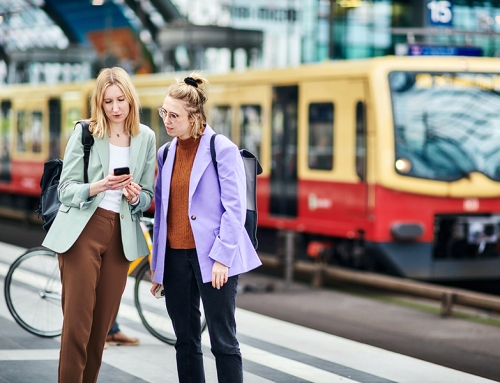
column 163, row 136
column 446, row 125
column 321, row 136
column 22, row 130
column 145, row 116
column 221, row 120
column 250, row 128
column 360, row 141
column 36, row 132
column 5, row 128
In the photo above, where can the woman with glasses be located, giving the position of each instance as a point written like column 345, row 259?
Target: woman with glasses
column 97, row 229
column 200, row 245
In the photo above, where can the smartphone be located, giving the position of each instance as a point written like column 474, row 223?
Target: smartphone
column 121, row 171
column 159, row 292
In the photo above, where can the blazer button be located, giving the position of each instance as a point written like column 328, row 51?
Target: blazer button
column 122, row 216
column 193, row 217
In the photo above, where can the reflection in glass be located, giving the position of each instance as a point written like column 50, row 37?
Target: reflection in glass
column 446, row 125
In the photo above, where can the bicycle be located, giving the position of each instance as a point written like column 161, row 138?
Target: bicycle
column 32, row 290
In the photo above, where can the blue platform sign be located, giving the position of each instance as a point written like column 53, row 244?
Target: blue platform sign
column 440, row 13
column 443, row 50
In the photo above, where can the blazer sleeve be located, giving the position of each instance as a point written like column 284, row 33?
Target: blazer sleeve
column 158, row 191
column 233, row 199
column 72, row 190
column 147, row 177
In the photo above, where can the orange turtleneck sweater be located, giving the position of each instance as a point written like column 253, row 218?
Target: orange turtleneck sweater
column 179, row 234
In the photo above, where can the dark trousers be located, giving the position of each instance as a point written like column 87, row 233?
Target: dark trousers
column 93, row 275
column 114, row 329
column 183, row 288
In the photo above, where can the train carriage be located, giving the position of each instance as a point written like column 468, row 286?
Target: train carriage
column 389, row 162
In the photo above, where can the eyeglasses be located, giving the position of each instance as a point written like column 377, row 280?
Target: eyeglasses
column 164, row 114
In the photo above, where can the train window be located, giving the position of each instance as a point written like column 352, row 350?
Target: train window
column 163, row 137
column 321, row 119
column 145, row 116
column 72, row 116
column 5, row 129
column 222, row 121
column 250, row 128
column 22, row 130
column 360, row 141
column 36, row 132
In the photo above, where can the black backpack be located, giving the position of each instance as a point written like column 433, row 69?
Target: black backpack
column 252, row 170
column 52, row 169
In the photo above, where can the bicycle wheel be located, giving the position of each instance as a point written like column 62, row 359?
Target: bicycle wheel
column 32, row 290
column 152, row 311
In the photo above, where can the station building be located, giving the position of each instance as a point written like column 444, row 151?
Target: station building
column 54, row 41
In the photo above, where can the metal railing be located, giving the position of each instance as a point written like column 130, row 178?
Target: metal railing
column 448, row 296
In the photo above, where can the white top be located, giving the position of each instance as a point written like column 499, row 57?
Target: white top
column 119, row 156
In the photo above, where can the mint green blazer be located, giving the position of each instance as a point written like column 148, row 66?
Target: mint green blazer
column 77, row 208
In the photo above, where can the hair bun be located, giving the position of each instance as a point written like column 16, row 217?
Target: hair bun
column 191, row 81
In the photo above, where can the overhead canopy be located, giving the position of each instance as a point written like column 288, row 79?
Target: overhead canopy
column 39, row 24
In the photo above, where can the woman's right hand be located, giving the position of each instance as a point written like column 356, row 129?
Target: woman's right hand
column 155, row 285
column 110, row 182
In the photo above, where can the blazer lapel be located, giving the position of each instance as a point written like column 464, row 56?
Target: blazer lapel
column 202, row 159
column 166, row 174
column 135, row 150
column 102, row 148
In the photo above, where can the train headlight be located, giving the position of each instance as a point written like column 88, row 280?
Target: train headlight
column 406, row 231
column 403, row 165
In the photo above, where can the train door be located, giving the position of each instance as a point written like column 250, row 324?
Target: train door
column 283, row 177
column 360, row 208
column 54, row 128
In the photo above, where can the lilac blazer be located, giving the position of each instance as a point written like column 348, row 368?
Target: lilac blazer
column 217, row 214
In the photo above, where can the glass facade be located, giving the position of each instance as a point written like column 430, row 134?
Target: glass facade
column 294, row 32
column 350, row 29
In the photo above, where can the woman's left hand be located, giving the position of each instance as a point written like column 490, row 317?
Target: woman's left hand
column 219, row 275
column 132, row 192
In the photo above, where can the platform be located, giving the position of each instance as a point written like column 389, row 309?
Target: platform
column 273, row 351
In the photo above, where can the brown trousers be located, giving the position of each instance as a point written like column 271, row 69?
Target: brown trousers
column 93, row 275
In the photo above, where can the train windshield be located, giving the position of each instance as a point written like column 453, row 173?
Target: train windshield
column 446, row 125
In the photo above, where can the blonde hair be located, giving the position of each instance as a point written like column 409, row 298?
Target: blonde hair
column 191, row 91
column 98, row 123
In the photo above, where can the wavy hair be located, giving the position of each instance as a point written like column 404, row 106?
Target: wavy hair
column 98, row 122
column 191, row 91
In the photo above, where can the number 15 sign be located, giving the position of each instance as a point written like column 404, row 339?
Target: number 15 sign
column 440, row 12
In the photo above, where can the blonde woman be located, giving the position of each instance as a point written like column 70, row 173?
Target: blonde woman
column 96, row 231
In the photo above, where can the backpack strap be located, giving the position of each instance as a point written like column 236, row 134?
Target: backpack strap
column 165, row 151
column 87, row 142
column 212, row 152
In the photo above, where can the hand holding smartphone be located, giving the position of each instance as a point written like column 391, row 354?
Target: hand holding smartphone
column 121, row 171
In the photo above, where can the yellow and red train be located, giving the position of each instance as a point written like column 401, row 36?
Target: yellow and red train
column 390, row 161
